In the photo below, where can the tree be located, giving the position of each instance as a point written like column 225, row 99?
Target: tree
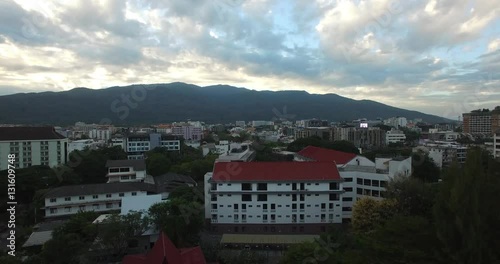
column 466, row 211
column 157, row 164
column 79, row 224
column 187, row 193
column 299, row 253
column 117, row 232
column 340, row 145
column 181, row 220
column 424, row 168
column 413, row 197
column 90, row 165
column 63, row 249
column 369, row 213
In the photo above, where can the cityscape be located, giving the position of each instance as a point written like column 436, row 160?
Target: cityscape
column 249, row 131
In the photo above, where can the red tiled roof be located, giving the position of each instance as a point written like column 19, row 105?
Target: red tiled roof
column 322, row 154
column 164, row 251
column 28, row 133
column 275, row 171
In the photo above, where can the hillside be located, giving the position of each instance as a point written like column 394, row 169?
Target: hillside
column 156, row 103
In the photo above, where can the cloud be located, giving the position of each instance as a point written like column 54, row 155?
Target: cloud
column 410, row 54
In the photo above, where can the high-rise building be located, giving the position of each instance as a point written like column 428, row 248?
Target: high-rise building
column 481, row 121
column 32, row 146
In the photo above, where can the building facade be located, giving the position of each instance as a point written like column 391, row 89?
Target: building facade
column 126, row 170
column 32, row 146
column 496, row 145
column 188, row 132
column 325, row 133
column 367, row 137
column 68, row 200
column 394, row 136
column 481, row 122
column 277, row 197
column 138, row 144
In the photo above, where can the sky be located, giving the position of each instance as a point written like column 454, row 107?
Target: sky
column 439, row 57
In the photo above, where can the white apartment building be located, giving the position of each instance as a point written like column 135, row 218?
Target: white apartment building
column 138, row 144
column 240, row 123
column 396, row 122
column 32, row 146
column 273, row 197
column 259, row 123
column 68, row 200
column 126, row 170
column 496, row 145
column 118, row 142
column 443, row 153
column 100, row 134
column 395, row 136
column 238, row 152
column 81, row 145
column 362, row 177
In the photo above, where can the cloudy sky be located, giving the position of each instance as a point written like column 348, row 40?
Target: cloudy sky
column 440, row 57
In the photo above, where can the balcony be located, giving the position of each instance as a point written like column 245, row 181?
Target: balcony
column 273, row 221
column 264, row 221
column 243, row 210
column 301, row 221
column 213, row 210
column 323, row 210
column 243, row 220
column 236, row 210
column 236, row 220
column 302, row 210
column 294, row 210
column 264, row 210
column 214, row 220
column 273, row 210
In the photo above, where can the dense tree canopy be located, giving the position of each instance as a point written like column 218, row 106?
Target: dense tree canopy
column 340, row 145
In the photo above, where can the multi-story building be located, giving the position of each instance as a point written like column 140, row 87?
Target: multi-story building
column 188, row 132
column 481, row 121
column 367, row 137
column 274, row 197
column 262, row 123
column 443, row 153
column 342, row 133
column 362, row 177
column 32, row 146
column 394, row 136
column 396, row 122
column 82, row 144
column 325, row 133
column 68, row 200
column 100, row 134
column 240, row 124
column 238, row 152
column 138, row 144
column 312, row 123
column 126, row 170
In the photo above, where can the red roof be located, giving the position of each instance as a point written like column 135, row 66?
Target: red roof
column 164, row 251
column 322, row 154
column 275, row 171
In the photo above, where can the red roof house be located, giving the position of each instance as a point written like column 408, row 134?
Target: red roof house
column 322, row 154
column 164, row 251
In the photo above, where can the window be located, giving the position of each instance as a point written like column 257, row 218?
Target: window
column 81, row 208
column 375, row 193
column 273, row 206
column 221, row 205
column 367, row 182
column 95, row 196
column 375, row 183
column 109, row 205
column 246, row 197
column 95, row 206
column 348, row 179
column 53, row 200
column 334, row 197
column 53, row 210
column 121, row 194
column 235, row 206
column 334, row 186
column 67, row 199
column 330, row 206
column 359, row 181
column 246, row 186
column 114, row 170
column 81, row 198
column 323, row 206
column 261, row 186
column 243, row 206
column 262, row 197
column 347, row 199
column 124, row 177
column 108, row 195
column 213, row 198
column 346, row 209
column 134, row 193
column 348, row 189
column 67, row 209
column 264, row 206
column 359, row 190
column 383, row 184
column 214, row 206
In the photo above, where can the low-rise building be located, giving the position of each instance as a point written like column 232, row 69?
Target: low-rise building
column 273, row 197
column 32, row 146
column 138, row 144
column 238, row 152
column 443, row 153
column 126, row 170
column 496, row 145
column 394, row 136
column 168, row 182
column 67, row 200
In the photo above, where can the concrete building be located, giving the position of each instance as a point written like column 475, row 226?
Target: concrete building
column 277, row 197
column 168, row 182
column 82, row 144
column 396, row 122
column 262, row 123
column 481, row 122
column 362, row 177
column 342, row 133
column 443, row 153
column 240, row 124
column 100, row 134
column 126, row 171
column 367, row 137
column 188, row 132
column 325, row 133
column 68, row 200
column 138, row 144
column 32, row 146
column 312, row 123
column 238, row 152
column 394, row 136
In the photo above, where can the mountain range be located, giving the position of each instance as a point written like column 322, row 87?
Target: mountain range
column 161, row 103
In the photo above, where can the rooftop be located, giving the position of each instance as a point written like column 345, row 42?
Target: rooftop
column 169, row 181
column 138, row 165
column 28, row 133
column 322, row 154
column 275, row 171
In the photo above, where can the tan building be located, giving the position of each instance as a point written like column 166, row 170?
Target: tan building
column 481, row 122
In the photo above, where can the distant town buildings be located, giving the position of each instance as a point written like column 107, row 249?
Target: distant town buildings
column 496, row 144
column 443, row 153
column 32, row 146
column 126, row 171
column 137, row 144
column 396, row 122
column 312, row 123
column 395, row 136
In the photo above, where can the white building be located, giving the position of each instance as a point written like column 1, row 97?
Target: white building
column 262, row 123
column 119, row 142
column 238, row 152
column 100, row 134
column 240, row 124
column 362, row 177
column 138, row 144
column 32, row 146
column 396, row 122
column 68, row 200
column 126, row 170
column 277, row 197
column 81, row 145
column 395, row 136
column 443, row 153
